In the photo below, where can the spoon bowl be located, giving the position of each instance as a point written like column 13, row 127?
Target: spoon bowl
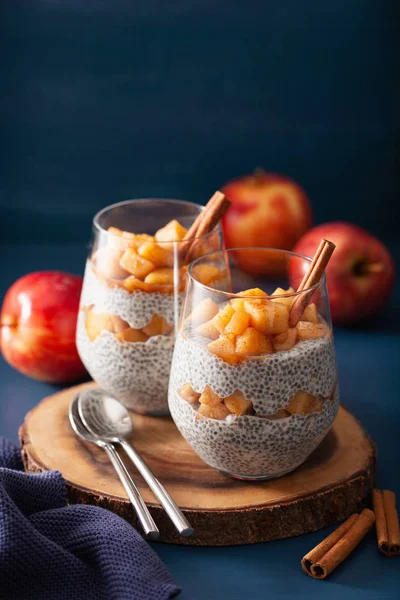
column 104, row 416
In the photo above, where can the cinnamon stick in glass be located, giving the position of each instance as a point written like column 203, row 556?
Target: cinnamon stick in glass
column 387, row 522
column 325, row 557
column 311, row 278
column 206, row 221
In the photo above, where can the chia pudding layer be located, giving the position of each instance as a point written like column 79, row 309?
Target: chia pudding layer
column 136, row 373
column 137, row 308
column 254, row 446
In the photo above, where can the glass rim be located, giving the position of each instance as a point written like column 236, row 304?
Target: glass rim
column 252, row 248
column 133, row 201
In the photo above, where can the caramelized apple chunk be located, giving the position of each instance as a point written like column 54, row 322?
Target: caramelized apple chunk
column 96, row 323
column 310, row 314
column 238, row 303
column 206, row 274
column 106, row 261
column 209, row 397
column 188, row 393
column 268, row 317
column 159, row 256
column 304, row 403
column 133, row 284
column 311, row 331
column 157, row 326
column 238, row 323
column 224, row 347
column 282, row 300
column 135, row 264
column 218, row 412
column 285, row 341
column 204, row 311
column 118, row 323
column 207, row 330
column 252, row 342
column 172, row 232
column 120, row 240
column 222, row 318
column 281, row 414
column 131, row 335
column 238, row 404
column 162, row 276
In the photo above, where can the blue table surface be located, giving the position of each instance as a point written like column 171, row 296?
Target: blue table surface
column 369, row 372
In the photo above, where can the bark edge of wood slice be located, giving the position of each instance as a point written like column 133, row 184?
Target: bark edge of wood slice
column 333, row 483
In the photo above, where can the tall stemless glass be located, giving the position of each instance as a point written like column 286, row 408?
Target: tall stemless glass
column 252, row 392
column 132, row 294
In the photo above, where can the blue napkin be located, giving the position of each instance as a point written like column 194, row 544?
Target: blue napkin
column 49, row 550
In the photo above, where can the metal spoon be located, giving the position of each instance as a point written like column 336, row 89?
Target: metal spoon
column 107, row 418
column 146, row 520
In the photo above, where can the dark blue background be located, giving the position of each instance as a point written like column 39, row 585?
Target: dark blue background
column 103, row 100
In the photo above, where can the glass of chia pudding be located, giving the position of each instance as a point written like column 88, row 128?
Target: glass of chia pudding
column 252, row 392
column 132, row 294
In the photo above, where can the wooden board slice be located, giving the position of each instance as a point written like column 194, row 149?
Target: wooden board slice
column 333, row 483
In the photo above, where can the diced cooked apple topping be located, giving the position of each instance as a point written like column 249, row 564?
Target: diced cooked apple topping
column 207, row 274
column 304, row 403
column 286, row 340
column 161, row 276
column 311, row 331
column 156, row 254
column 188, row 393
column 172, row 232
column 141, row 262
column 212, row 406
column 254, row 324
column 204, row 311
column 208, row 397
column 135, row 264
column 108, row 265
column 280, row 292
column 238, row 404
column 157, row 326
column 238, row 323
column 222, row 318
column 253, row 342
column 218, row 412
column 224, row 347
column 131, row 335
column 96, row 323
column 268, row 317
column 209, row 404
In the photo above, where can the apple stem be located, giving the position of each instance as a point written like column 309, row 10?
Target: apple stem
column 372, row 268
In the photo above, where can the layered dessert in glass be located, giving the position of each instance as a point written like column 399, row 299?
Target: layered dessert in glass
column 253, row 393
column 132, row 294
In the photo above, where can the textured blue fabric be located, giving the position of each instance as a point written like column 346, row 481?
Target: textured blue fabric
column 49, row 550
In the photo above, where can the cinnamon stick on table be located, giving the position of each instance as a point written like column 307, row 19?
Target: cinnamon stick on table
column 387, row 522
column 206, row 221
column 325, row 557
column 312, row 277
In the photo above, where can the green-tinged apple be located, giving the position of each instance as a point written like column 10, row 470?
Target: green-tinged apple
column 38, row 324
column 360, row 274
column 268, row 210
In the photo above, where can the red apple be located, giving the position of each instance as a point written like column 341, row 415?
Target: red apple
column 268, row 210
column 38, row 323
column 360, row 274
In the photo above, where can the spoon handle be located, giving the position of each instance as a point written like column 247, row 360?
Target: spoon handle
column 171, row 508
column 146, row 520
